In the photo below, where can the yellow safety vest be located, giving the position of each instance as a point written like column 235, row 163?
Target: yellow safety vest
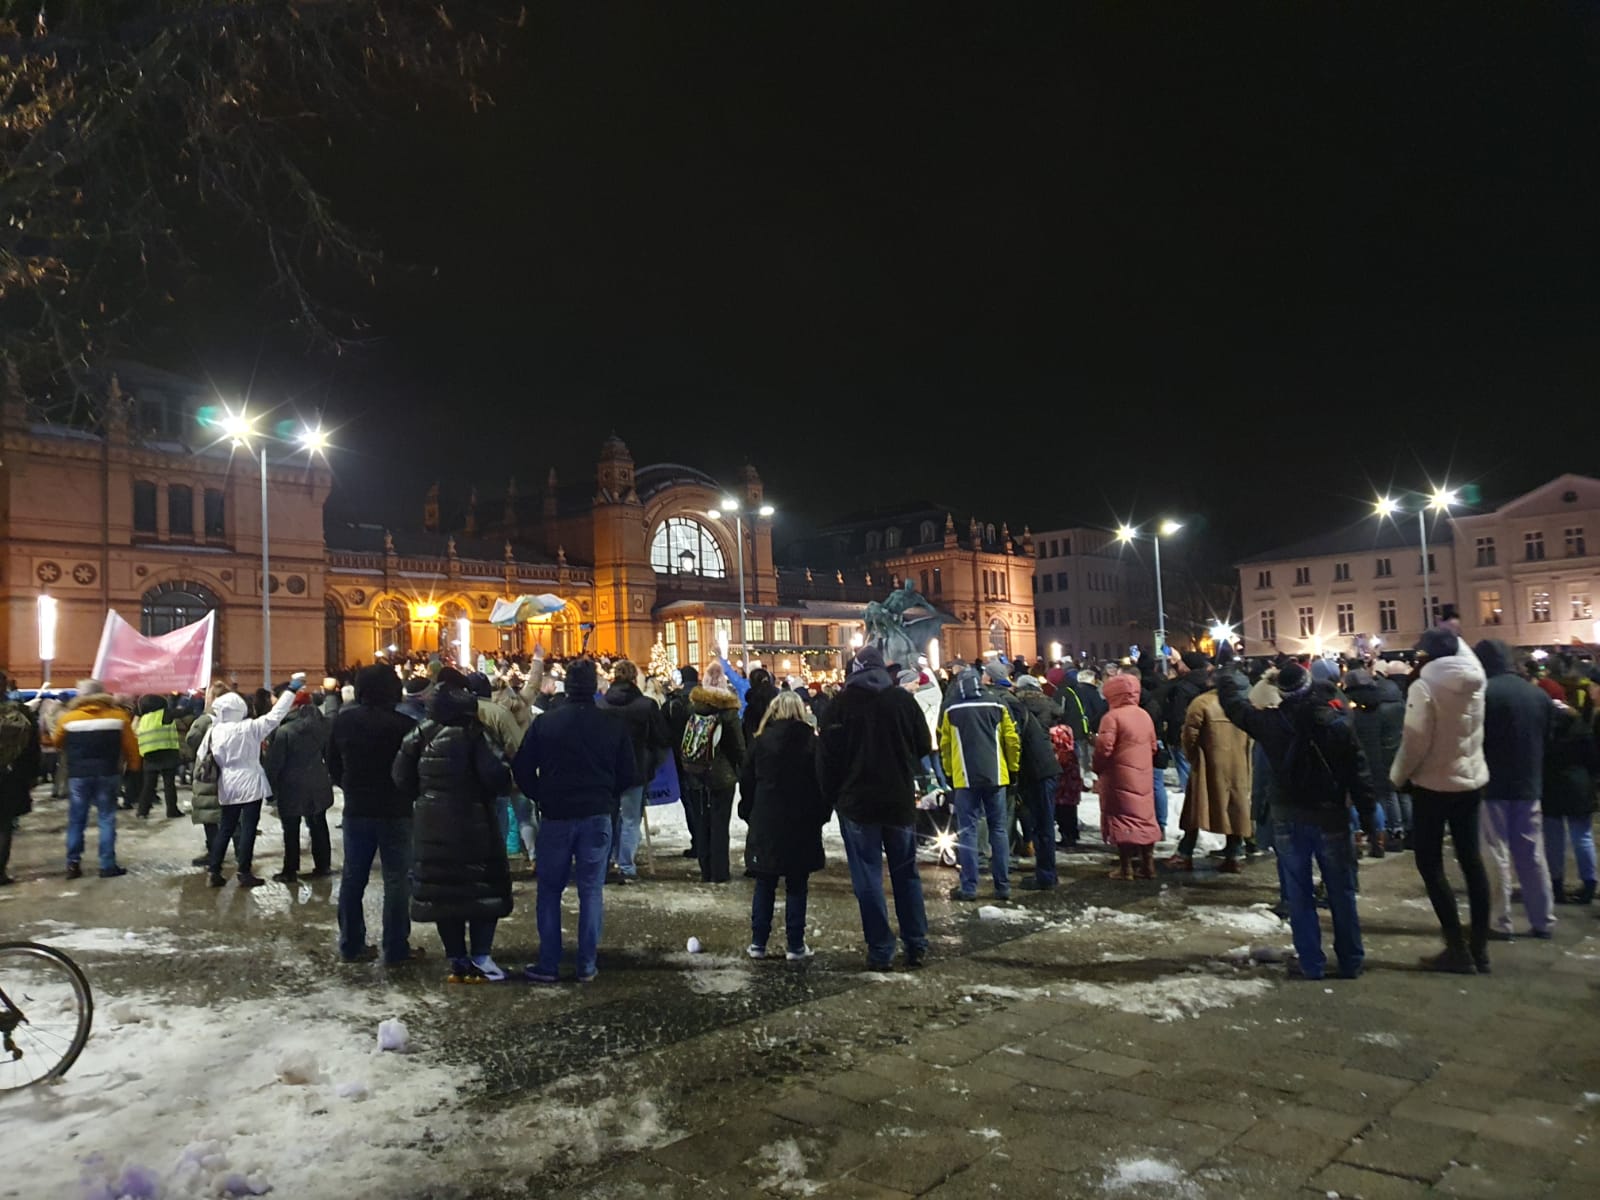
column 156, row 733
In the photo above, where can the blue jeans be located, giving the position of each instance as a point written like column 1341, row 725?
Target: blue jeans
column 1335, row 854
column 101, row 792
column 1182, row 763
column 625, row 831
column 990, row 803
column 794, row 909
column 1042, row 802
column 364, row 839
column 1158, row 777
column 572, row 849
column 1556, row 830
column 865, row 848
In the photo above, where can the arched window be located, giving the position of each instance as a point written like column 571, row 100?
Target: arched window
column 683, row 546
column 891, row 537
column 925, row 534
column 332, row 637
column 988, row 533
column 391, row 627
column 170, row 606
column 450, row 616
column 874, row 541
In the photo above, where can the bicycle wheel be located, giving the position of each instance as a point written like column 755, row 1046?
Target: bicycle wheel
column 46, row 1009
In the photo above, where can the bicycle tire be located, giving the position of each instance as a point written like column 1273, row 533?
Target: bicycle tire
column 82, row 990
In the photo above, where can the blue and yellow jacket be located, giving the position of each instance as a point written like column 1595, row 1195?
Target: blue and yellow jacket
column 978, row 741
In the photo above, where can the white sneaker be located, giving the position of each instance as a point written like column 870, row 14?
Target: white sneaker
column 755, row 951
column 491, row 970
column 800, row 955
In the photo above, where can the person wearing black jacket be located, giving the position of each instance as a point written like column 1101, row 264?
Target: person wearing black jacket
column 460, row 878
column 574, row 764
column 869, row 756
column 762, row 692
column 647, row 734
column 1378, row 712
column 1571, row 766
column 1194, row 677
column 1310, row 745
column 17, row 776
column 361, row 750
column 781, row 802
column 1038, row 777
column 677, row 716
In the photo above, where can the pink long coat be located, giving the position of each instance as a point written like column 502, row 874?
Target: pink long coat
column 1124, row 753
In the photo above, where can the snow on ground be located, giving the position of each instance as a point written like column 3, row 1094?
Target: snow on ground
column 788, row 1166
column 990, row 912
column 713, row 974
column 1168, row 999
column 1129, row 1173
column 1258, row 920
column 82, row 939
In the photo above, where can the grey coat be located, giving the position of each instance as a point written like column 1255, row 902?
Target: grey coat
column 296, row 765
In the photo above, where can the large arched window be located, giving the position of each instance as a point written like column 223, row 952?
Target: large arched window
column 682, row 546
column 170, row 606
column 891, row 537
column 925, row 535
column 874, row 541
column 391, row 628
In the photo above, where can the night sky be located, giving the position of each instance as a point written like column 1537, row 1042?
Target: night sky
column 1055, row 265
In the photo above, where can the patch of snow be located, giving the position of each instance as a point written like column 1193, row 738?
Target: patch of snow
column 1244, row 920
column 297, row 1067
column 1169, row 999
column 1097, row 915
column 712, row 974
column 1591, row 1097
column 1388, row 1040
column 788, row 1165
column 1129, row 1173
column 88, row 939
column 1004, row 993
column 988, row 1135
column 885, row 977
column 393, row 1035
column 991, row 912
column 901, row 1131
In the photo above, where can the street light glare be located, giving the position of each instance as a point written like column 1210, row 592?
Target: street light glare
column 237, row 425
column 1125, row 533
column 313, row 440
column 766, row 510
column 1443, row 498
column 1385, row 506
column 714, row 513
column 1168, row 528
column 729, row 504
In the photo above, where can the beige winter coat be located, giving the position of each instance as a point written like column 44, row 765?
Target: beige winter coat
column 1218, row 799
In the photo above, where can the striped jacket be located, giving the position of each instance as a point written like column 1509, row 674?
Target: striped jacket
column 96, row 738
column 978, row 741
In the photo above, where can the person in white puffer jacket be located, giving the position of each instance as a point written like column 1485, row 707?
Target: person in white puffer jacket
column 1441, row 764
column 235, row 744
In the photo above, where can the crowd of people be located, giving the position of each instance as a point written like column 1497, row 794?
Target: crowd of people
column 454, row 778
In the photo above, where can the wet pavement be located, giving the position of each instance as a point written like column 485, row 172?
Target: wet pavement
column 1104, row 1039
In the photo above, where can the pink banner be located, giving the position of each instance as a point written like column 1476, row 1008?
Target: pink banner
column 179, row 661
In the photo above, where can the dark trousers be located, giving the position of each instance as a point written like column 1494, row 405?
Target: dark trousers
column 714, row 809
column 209, row 832
column 1042, row 804
column 1431, row 812
column 147, row 790
column 454, row 934
column 794, row 909
column 366, row 838
column 321, row 843
column 6, row 826
column 241, row 820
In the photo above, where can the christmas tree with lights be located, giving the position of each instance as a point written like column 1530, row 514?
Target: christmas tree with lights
column 660, row 660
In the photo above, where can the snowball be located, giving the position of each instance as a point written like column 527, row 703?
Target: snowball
column 297, row 1067
column 353, row 1090
column 245, row 1185
column 694, row 945
column 392, row 1035
column 124, row 1013
column 130, row 936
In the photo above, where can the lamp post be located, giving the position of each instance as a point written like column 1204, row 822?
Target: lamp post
column 1166, row 528
column 731, row 507
column 239, row 428
column 47, row 637
column 1440, row 501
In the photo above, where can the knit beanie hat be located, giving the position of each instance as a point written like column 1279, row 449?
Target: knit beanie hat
column 1438, row 643
column 582, row 679
column 1292, row 678
column 997, row 673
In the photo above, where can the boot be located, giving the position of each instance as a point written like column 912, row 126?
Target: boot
column 1585, row 894
column 1558, row 889
column 1456, row 959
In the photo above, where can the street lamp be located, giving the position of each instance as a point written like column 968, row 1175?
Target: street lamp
column 1439, row 500
column 729, row 505
column 1166, row 528
column 239, row 429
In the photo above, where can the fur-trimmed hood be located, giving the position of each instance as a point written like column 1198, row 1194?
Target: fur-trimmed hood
column 713, row 698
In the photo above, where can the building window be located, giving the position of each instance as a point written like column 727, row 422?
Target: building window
column 1539, row 605
column 1489, row 610
column 988, row 533
column 1302, row 576
column 1341, row 572
column 215, row 525
column 1049, row 583
column 682, row 546
column 1066, row 616
column 1581, row 610
column 1263, row 580
column 670, row 641
column 1269, row 625
column 1385, row 568
column 874, row 541
column 1308, row 621
column 1048, row 618
column 721, row 632
column 1005, row 584
column 1485, row 547
column 144, row 506
column 926, row 534
column 1388, row 618
column 781, row 630
column 1347, row 618
column 938, row 581
column 754, row 629
column 1574, row 541
column 1435, row 610
column 180, row 510
column 1061, row 580
column 1066, row 547
column 1036, row 585
column 1431, row 568
column 891, row 537
column 691, row 642
column 171, row 606
column 1533, row 547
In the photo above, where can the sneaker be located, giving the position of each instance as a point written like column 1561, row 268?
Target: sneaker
column 1034, row 884
column 1501, row 935
column 116, row 872
column 874, row 965
column 915, row 959
column 319, row 873
column 411, row 955
column 1003, row 897
column 1543, row 935
column 590, row 977
column 74, row 871
column 626, row 880
column 957, row 894
column 247, row 880
column 755, row 950
column 691, row 852
column 799, row 955
column 464, row 970
column 489, row 969
column 533, row 974
column 200, row 860
column 216, row 879
column 365, row 955
column 286, row 877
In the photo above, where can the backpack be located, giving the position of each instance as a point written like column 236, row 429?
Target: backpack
column 16, row 731
column 1308, row 777
column 1066, row 749
column 702, row 734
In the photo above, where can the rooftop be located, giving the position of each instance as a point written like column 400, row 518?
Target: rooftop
column 1362, row 536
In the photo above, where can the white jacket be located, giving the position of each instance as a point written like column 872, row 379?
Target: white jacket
column 1442, row 746
column 236, row 745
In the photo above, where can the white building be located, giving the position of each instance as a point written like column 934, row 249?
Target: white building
column 1092, row 595
column 1522, row 572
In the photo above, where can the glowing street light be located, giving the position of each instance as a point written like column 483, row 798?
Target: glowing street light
column 1165, row 528
column 1440, row 500
column 729, row 505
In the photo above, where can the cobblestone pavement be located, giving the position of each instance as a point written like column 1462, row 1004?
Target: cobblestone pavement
column 1106, row 1039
